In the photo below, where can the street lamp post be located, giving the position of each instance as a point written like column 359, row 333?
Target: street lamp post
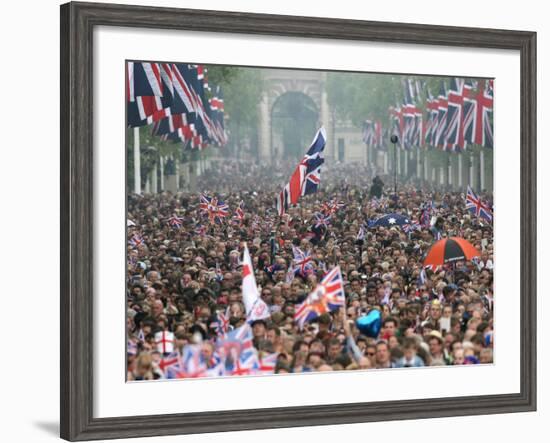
column 394, row 139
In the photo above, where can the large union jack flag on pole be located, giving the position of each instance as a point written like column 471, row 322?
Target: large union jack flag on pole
column 326, row 297
column 306, row 177
column 476, row 206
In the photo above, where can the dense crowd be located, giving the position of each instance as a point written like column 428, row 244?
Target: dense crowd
column 181, row 276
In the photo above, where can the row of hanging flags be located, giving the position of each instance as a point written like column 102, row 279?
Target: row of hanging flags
column 177, row 101
column 234, row 350
column 459, row 116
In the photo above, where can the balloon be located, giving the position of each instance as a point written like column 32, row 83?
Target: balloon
column 370, row 324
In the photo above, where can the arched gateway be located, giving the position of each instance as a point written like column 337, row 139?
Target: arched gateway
column 304, row 93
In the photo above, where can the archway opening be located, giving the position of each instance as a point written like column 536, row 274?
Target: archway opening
column 294, row 120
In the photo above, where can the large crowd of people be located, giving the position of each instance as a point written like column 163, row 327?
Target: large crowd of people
column 184, row 270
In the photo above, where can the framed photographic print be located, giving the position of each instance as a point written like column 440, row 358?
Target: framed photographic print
column 273, row 221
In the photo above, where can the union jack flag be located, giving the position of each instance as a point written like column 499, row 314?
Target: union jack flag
column 216, row 209
column 410, row 227
column 431, row 123
column 440, row 139
column 172, row 366
column 484, row 127
column 455, row 132
column 302, row 261
column 476, row 206
column 331, row 207
column 193, row 362
column 222, row 324
column 236, row 341
column 239, row 212
column 306, row 177
column 175, row 221
column 268, row 363
column 136, row 240
column 216, row 366
column 322, row 220
column 246, row 363
column 326, row 297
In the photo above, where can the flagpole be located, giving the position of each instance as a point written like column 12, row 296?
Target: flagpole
column 394, row 139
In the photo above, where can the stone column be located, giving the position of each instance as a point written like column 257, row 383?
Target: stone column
column 450, row 181
column 460, row 178
column 161, row 173
column 148, row 184
column 177, row 166
column 471, row 178
column 264, row 136
column 154, row 179
column 385, row 162
column 482, row 170
column 426, row 167
column 137, row 162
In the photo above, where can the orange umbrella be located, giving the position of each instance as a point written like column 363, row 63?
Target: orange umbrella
column 450, row 250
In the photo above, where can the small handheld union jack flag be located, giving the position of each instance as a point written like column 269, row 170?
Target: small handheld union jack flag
column 239, row 212
column 302, row 263
column 331, row 207
column 322, row 220
column 268, row 363
column 216, row 209
column 222, row 326
column 476, row 206
column 326, row 297
column 175, row 221
column 136, row 240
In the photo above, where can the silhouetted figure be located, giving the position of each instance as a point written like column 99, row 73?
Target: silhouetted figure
column 376, row 187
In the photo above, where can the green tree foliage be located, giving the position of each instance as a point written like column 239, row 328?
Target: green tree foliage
column 242, row 89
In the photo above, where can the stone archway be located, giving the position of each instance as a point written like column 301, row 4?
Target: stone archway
column 278, row 82
column 294, row 117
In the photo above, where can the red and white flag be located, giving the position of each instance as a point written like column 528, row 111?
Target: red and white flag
column 256, row 309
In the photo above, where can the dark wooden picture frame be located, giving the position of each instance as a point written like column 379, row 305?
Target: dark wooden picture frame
column 77, row 214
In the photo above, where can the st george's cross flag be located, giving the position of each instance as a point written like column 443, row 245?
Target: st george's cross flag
column 326, row 297
column 256, row 309
column 164, row 341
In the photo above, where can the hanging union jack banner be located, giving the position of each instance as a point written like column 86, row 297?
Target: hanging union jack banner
column 476, row 206
column 441, row 124
column 455, row 121
column 484, row 126
column 431, row 122
column 326, row 297
column 306, row 177
column 172, row 97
